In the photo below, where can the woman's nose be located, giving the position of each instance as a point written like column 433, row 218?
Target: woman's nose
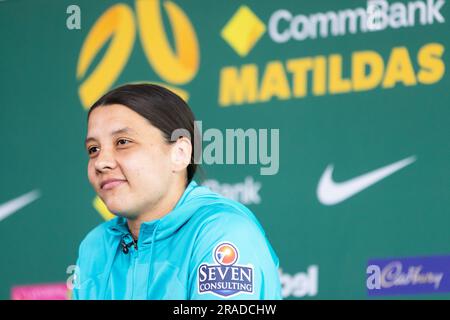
column 105, row 161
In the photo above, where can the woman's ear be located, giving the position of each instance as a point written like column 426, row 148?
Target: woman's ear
column 181, row 152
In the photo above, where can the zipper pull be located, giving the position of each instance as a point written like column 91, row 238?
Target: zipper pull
column 127, row 242
column 124, row 247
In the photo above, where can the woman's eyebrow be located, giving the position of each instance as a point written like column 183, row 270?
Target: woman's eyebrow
column 118, row 131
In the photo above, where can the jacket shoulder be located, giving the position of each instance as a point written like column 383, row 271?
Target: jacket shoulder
column 96, row 240
column 96, row 234
column 228, row 214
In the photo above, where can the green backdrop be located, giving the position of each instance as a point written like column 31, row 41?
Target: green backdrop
column 357, row 116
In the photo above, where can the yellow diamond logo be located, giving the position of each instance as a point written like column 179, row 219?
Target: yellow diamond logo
column 243, row 31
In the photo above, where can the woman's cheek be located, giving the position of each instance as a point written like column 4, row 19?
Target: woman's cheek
column 91, row 173
column 133, row 169
column 146, row 166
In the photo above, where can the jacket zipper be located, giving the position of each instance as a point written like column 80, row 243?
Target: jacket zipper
column 134, row 257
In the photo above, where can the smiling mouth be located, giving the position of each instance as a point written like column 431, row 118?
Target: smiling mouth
column 112, row 184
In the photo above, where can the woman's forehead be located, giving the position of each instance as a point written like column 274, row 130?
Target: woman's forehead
column 115, row 113
column 114, row 119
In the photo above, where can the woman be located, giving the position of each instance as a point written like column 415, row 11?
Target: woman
column 171, row 239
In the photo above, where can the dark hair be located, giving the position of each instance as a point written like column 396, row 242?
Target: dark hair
column 161, row 107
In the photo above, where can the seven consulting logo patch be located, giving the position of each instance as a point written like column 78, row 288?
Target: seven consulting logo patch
column 226, row 278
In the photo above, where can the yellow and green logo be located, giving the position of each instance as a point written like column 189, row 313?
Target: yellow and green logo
column 243, row 31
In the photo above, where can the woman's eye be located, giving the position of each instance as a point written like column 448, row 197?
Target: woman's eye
column 91, row 150
column 123, row 141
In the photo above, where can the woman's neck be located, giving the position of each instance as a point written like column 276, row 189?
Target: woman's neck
column 164, row 206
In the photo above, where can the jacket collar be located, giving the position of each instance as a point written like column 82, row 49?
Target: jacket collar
column 193, row 198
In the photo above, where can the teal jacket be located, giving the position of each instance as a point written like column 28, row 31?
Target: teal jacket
column 207, row 247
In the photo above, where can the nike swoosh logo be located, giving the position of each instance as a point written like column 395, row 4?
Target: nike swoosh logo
column 14, row 205
column 331, row 193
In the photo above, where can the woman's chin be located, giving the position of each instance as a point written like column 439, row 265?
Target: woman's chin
column 121, row 211
column 117, row 208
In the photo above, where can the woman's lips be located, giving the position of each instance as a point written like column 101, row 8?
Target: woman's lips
column 112, row 184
